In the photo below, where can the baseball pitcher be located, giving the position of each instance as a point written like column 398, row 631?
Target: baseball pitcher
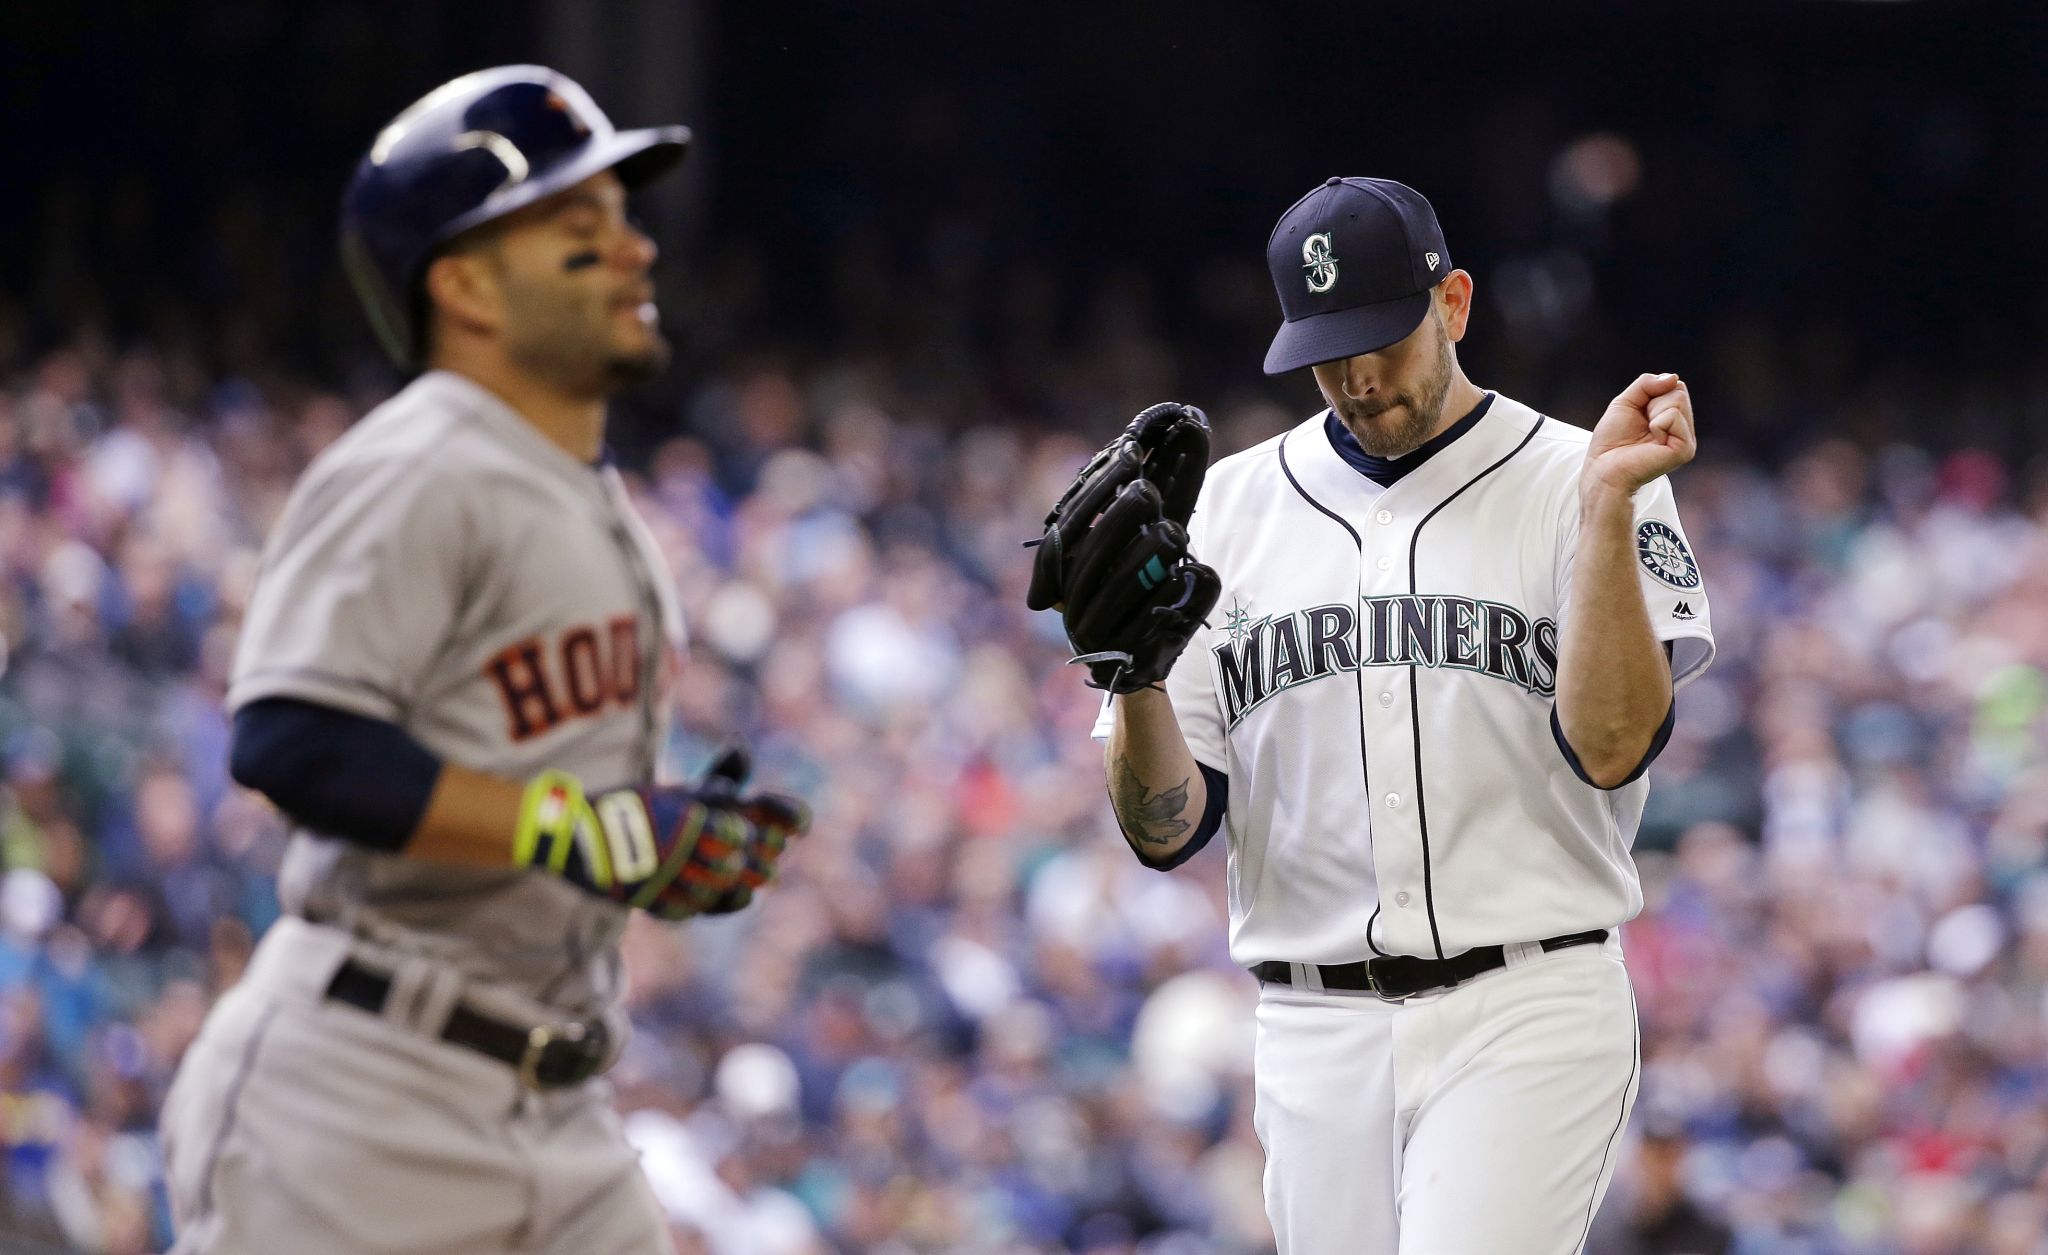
column 1413, row 657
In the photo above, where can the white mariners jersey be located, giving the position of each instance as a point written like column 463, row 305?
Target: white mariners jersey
column 445, row 567
column 1377, row 682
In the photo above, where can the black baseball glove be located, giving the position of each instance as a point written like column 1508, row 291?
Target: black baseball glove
column 1114, row 558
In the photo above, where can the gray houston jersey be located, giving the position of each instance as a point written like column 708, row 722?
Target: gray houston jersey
column 445, row 567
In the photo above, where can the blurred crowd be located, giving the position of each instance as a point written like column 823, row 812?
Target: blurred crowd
column 967, row 1020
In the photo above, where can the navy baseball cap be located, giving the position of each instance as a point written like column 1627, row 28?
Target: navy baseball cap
column 1353, row 263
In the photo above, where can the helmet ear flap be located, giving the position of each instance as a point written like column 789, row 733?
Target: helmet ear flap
column 394, row 316
column 419, row 344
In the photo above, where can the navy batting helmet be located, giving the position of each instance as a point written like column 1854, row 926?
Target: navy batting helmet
column 468, row 152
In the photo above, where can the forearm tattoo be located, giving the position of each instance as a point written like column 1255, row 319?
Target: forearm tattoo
column 1152, row 818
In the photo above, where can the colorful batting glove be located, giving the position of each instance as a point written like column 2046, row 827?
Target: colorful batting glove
column 673, row 852
column 772, row 820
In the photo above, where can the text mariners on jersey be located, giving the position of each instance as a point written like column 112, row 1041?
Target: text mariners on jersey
column 1263, row 656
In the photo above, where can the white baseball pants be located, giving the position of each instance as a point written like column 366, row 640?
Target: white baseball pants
column 1481, row 1120
column 306, row 1126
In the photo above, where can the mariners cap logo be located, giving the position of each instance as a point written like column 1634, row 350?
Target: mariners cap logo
column 1319, row 261
column 1664, row 555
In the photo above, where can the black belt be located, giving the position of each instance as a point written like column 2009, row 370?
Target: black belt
column 546, row 1056
column 1398, row 976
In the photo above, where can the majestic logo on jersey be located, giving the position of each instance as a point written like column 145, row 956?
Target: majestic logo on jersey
column 1684, row 610
column 1265, row 656
column 587, row 670
column 1319, row 261
column 1663, row 554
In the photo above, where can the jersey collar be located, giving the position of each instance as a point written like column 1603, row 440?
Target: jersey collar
column 505, row 423
column 1384, row 471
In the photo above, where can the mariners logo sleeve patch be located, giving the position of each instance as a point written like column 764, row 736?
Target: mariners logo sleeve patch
column 1664, row 554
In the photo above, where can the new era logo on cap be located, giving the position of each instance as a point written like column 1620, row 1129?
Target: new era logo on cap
column 1353, row 263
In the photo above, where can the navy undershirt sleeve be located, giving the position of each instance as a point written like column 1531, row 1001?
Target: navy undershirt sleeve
column 364, row 780
column 1657, row 743
column 1218, row 788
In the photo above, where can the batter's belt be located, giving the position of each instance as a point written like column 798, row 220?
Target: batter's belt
column 1403, row 975
column 545, row 1056
column 543, row 1046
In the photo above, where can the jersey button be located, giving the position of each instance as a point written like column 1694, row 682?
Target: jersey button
column 1385, row 562
column 1385, row 516
column 1393, row 799
column 1386, row 699
column 1401, row 898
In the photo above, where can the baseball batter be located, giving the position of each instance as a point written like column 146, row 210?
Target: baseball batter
column 1446, row 635
column 451, row 678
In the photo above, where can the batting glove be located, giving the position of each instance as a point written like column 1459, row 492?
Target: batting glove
column 772, row 820
column 671, row 851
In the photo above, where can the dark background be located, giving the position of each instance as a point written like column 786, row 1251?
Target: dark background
column 1836, row 200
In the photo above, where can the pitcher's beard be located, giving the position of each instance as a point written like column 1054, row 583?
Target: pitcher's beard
column 1385, row 442
column 1424, row 411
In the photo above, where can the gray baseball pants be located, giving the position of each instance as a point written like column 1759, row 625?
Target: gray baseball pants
column 310, row 1126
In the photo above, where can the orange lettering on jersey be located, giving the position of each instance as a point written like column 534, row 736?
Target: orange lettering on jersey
column 597, row 666
column 625, row 668
column 584, row 669
column 522, row 678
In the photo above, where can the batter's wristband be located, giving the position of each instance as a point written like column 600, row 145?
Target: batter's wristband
column 548, row 813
